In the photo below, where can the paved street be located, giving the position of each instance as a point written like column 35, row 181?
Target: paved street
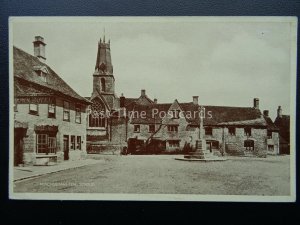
column 163, row 174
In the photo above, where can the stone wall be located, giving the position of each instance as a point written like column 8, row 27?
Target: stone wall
column 64, row 128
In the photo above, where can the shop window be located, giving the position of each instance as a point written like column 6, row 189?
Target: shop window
column 73, row 142
column 78, row 143
column 51, row 110
column 78, row 113
column 173, row 128
column 231, row 130
column 66, row 115
column 45, row 144
column 33, row 109
column 137, row 128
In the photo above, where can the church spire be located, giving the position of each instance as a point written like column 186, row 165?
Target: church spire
column 103, row 59
column 104, row 34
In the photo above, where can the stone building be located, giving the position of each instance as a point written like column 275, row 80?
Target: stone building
column 49, row 116
column 283, row 123
column 169, row 127
column 228, row 130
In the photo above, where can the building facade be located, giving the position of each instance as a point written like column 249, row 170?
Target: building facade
column 49, row 116
column 172, row 127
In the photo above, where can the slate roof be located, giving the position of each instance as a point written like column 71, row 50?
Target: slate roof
column 24, row 69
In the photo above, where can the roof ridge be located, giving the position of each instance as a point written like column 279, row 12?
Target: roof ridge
column 72, row 93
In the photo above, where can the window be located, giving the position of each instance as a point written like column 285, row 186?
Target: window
column 78, row 143
column 173, row 143
column 152, row 128
column 102, row 84
column 249, row 145
column 269, row 134
column 271, row 148
column 52, row 145
column 45, row 144
column 33, row 109
column 208, row 131
column 77, row 114
column 73, row 142
column 51, row 110
column 66, row 116
column 247, row 131
column 137, row 128
column 231, row 130
column 97, row 115
column 41, row 143
column 43, row 76
column 173, row 128
column 175, row 114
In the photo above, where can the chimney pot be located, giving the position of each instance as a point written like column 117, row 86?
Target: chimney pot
column 155, row 101
column 122, row 101
column 143, row 92
column 195, row 100
column 279, row 111
column 256, row 103
column 266, row 113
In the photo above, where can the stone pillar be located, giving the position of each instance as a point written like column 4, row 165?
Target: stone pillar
column 201, row 151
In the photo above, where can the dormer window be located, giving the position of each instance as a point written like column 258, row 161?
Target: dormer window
column 42, row 72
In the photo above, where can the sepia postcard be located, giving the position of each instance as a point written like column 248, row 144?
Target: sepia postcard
column 153, row 108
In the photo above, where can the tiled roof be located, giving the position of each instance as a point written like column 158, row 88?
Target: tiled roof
column 25, row 66
column 221, row 115
column 224, row 115
column 283, row 123
column 270, row 124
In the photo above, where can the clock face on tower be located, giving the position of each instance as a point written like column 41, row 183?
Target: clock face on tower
column 102, row 67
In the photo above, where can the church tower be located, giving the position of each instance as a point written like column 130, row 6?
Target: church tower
column 103, row 78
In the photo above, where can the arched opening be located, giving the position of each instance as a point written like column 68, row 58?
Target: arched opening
column 97, row 117
column 102, row 84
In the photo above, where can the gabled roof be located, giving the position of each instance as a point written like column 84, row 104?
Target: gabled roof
column 270, row 125
column 220, row 115
column 25, row 66
column 283, row 122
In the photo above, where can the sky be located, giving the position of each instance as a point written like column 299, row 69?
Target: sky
column 224, row 62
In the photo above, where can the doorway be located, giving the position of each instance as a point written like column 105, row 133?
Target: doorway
column 66, row 147
column 19, row 134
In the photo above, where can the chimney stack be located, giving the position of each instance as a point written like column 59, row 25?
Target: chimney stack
column 266, row 113
column 256, row 103
column 279, row 112
column 155, row 101
column 195, row 100
column 122, row 101
column 143, row 92
column 39, row 48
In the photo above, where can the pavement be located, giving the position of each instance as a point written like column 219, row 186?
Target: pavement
column 22, row 173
